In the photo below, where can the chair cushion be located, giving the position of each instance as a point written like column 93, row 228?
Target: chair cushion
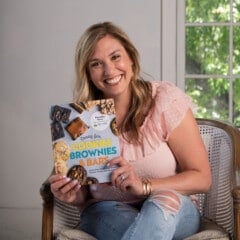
column 209, row 230
column 73, row 234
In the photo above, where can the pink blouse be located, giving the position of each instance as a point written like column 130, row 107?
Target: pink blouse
column 153, row 158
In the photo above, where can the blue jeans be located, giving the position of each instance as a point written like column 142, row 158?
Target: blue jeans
column 111, row 220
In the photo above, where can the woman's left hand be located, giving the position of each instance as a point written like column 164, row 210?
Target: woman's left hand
column 125, row 177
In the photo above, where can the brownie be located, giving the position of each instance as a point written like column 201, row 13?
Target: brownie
column 78, row 107
column 76, row 128
column 56, row 130
column 60, row 114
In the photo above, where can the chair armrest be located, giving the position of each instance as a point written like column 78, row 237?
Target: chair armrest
column 47, row 214
column 46, row 194
column 236, row 204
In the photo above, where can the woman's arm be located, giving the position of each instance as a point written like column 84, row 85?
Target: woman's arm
column 194, row 171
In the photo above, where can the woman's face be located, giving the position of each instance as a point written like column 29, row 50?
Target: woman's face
column 110, row 68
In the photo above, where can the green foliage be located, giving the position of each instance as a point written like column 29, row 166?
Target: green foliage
column 207, row 48
column 209, row 96
column 207, row 52
column 207, row 11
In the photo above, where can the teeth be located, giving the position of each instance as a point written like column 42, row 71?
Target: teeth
column 114, row 80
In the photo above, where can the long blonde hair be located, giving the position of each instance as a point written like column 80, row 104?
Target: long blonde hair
column 85, row 90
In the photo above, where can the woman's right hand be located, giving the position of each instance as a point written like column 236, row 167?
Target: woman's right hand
column 65, row 189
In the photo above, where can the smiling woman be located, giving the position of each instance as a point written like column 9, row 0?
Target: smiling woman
column 110, row 68
column 157, row 173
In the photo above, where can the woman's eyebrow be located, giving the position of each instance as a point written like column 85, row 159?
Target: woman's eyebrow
column 93, row 60
column 112, row 53
column 115, row 51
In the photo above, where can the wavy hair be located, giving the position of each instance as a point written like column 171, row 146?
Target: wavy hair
column 85, row 90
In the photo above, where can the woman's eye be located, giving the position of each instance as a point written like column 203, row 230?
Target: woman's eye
column 95, row 64
column 115, row 57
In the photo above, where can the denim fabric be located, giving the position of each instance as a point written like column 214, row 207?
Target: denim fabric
column 110, row 220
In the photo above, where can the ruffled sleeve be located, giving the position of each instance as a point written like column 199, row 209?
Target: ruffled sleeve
column 170, row 107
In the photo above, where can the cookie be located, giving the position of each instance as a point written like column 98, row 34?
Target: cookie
column 90, row 104
column 60, row 167
column 79, row 173
column 61, row 151
column 91, row 180
column 107, row 106
column 113, row 126
column 76, row 128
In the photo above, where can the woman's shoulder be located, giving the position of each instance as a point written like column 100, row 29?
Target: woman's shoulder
column 170, row 105
column 164, row 88
column 165, row 94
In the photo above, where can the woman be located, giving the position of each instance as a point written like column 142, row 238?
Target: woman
column 163, row 161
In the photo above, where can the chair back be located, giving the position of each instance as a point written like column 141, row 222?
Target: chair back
column 217, row 204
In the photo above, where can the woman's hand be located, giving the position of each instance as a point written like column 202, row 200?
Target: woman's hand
column 65, row 189
column 125, row 177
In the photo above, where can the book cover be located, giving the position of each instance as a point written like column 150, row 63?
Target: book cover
column 84, row 139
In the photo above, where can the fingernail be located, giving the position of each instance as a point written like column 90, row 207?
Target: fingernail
column 75, row 181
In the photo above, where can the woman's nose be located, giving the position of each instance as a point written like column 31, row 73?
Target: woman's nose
column 108, row 68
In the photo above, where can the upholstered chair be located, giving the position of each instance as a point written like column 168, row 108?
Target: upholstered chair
column 220, row 207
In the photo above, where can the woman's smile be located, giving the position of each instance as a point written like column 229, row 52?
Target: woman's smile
column 113, row 81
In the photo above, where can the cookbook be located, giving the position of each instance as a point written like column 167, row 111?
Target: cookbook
column 84, row 139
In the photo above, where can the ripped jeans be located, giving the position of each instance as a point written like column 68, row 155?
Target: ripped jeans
column 155, row 219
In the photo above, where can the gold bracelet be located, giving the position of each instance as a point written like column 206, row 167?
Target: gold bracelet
column 147, row 187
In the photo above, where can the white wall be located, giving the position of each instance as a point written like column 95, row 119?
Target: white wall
column 37, row 43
